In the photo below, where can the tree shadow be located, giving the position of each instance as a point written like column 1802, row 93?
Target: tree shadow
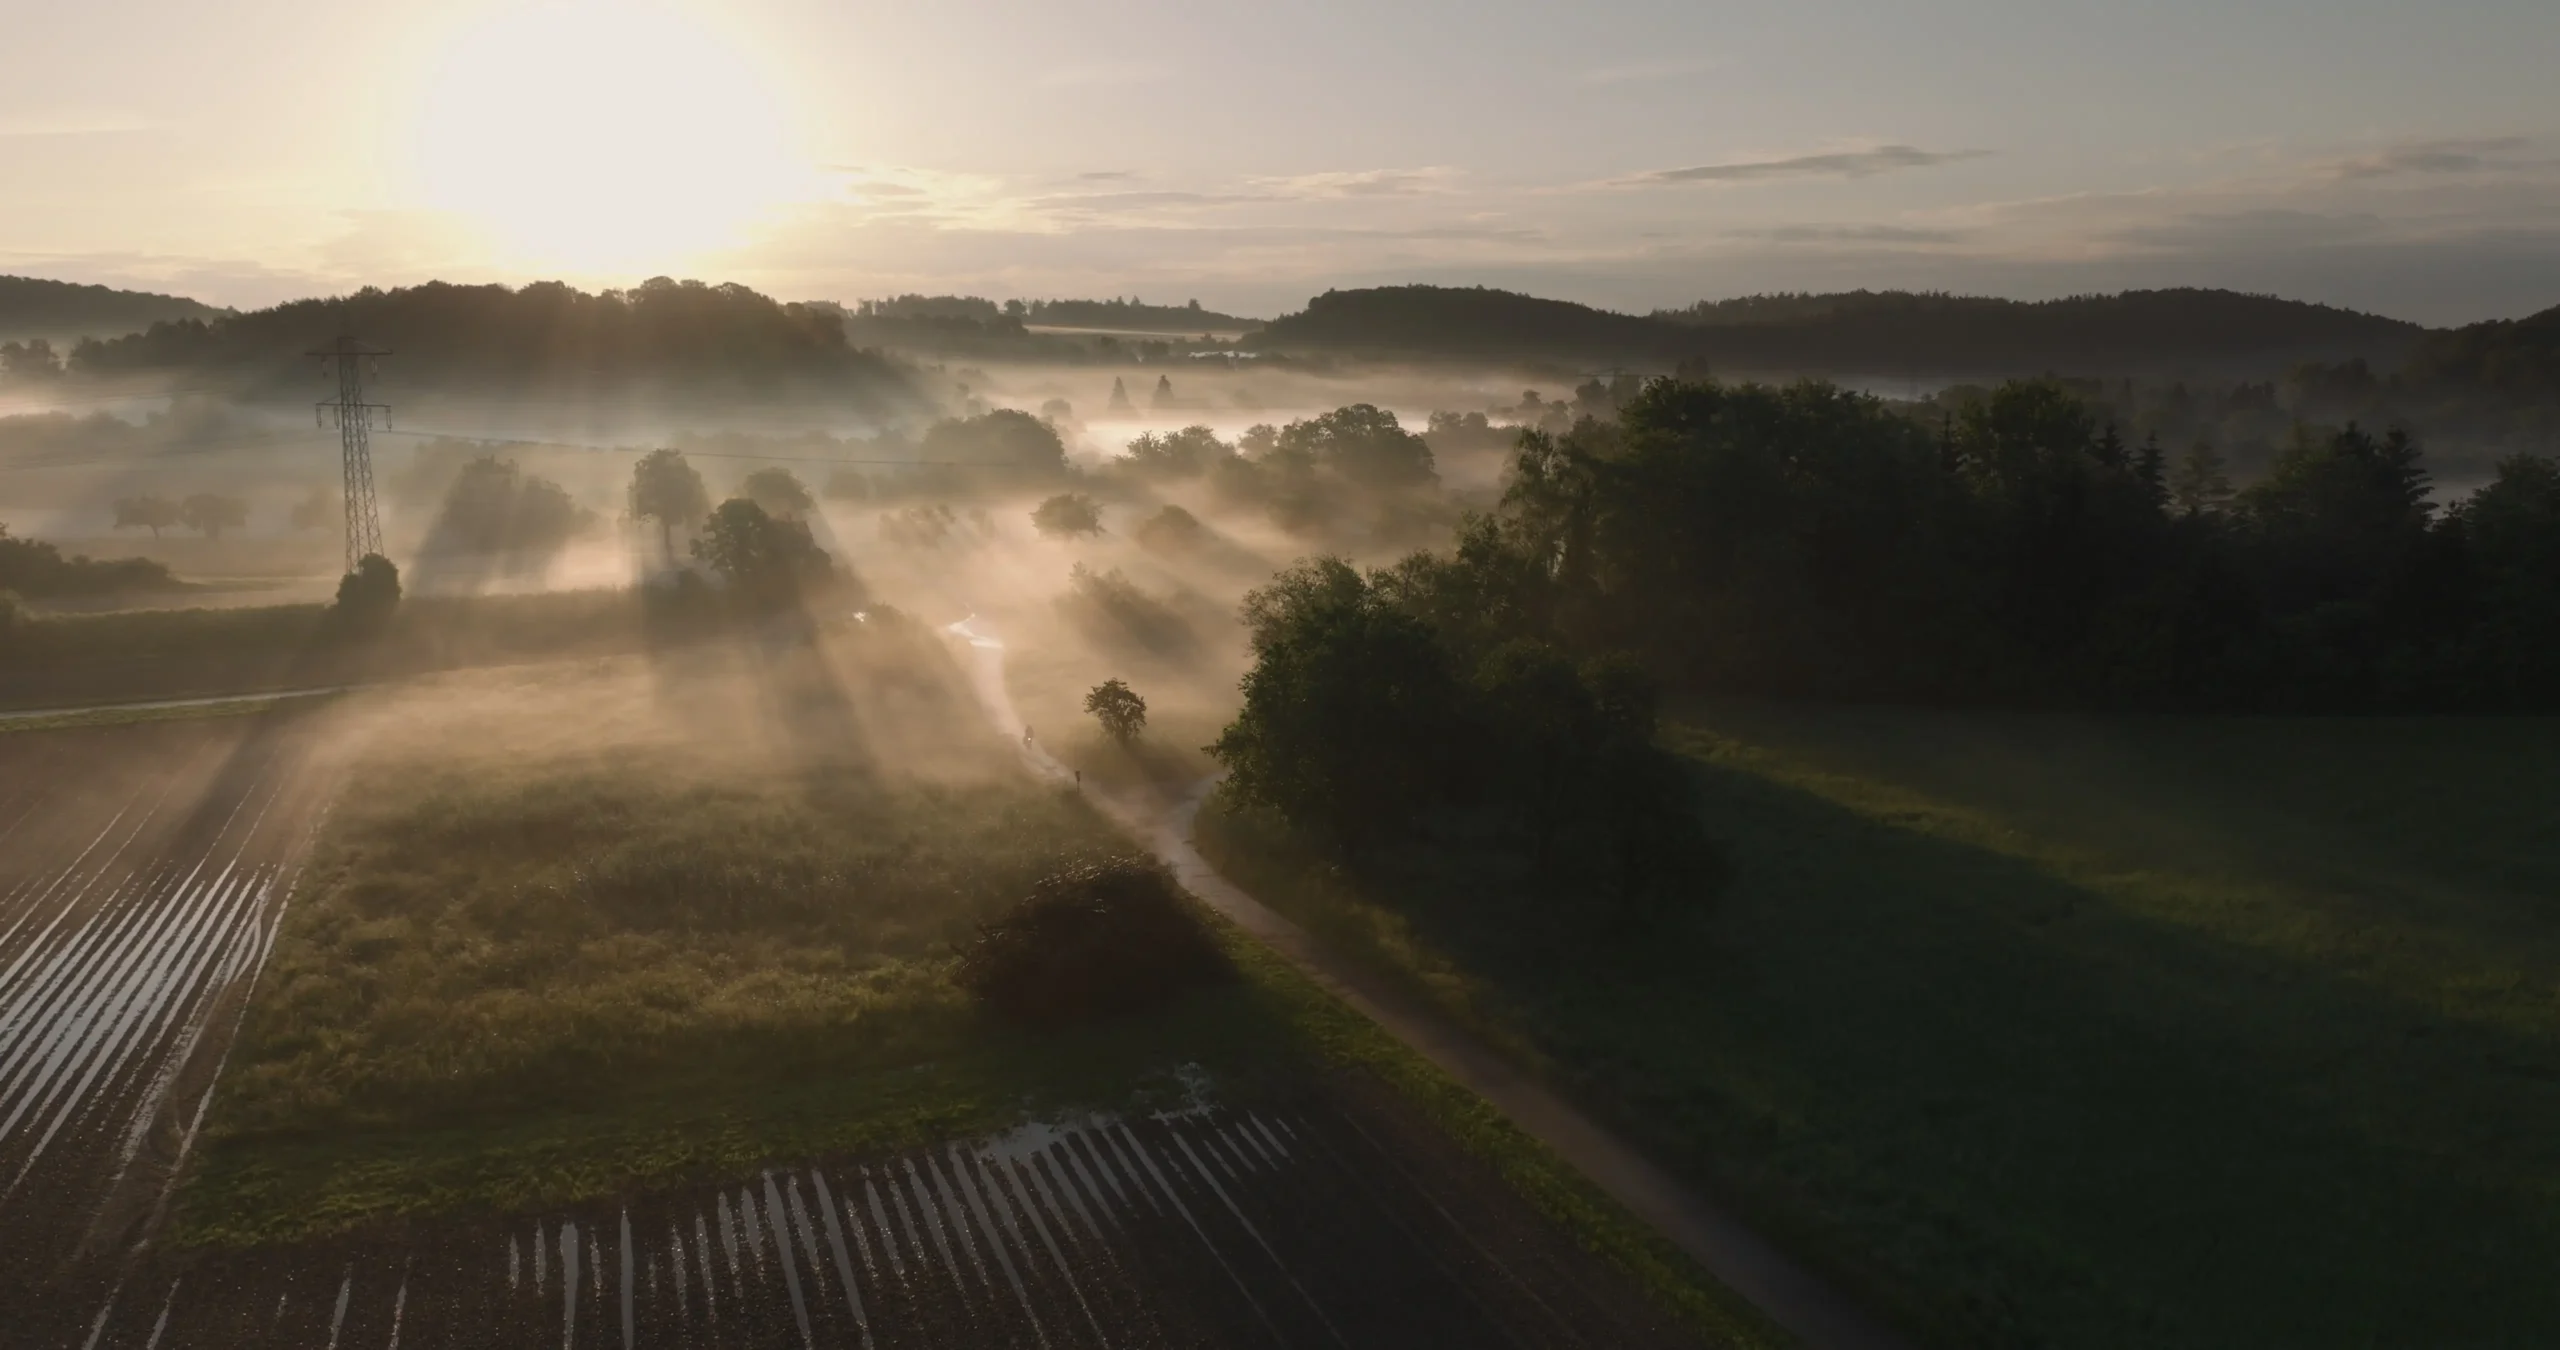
column 2022, row 1113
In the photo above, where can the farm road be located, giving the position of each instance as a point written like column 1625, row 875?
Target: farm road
column 1785, row 1292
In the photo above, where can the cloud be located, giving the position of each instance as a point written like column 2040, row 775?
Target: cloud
column 1141, row 200
column 1832, row 164
column 2446, row 156
column 1106, row 176
column 1851, row 234
column 1360, row 183
column 1644, row 72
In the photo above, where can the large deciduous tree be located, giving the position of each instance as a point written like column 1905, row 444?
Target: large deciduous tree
column 669, row 491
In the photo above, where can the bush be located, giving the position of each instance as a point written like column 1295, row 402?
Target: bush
column 1103, row 939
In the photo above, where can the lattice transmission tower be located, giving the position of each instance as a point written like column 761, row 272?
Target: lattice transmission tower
column 355, row 419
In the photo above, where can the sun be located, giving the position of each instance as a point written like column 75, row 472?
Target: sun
column 602, row 137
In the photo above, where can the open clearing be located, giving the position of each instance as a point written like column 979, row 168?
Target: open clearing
column 2059, row 1030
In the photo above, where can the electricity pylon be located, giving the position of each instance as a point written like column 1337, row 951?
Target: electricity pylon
column 355, row 439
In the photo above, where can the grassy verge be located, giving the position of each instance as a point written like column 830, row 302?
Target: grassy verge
column 2045, row 1030
column 1329, row 1032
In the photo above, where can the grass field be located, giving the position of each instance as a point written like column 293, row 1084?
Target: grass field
column 2052, row 1030
column 589, row 929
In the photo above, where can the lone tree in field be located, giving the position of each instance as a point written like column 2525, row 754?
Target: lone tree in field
column 368, row 594
column 1068, row 513
column 1118, row 708
column 209, row 514
column 153, row 513
column 666, row 489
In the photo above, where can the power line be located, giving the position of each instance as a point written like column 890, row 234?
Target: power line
column 153, row 456
column 56, row 404
column 709, row 454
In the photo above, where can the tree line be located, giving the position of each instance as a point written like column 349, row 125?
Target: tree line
column 545, row 335
column 1811, row 542
column 1808, row 541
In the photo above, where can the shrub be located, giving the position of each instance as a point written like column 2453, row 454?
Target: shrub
column 1103, row 939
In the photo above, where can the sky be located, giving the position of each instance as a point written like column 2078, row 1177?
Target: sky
column 1636, row 154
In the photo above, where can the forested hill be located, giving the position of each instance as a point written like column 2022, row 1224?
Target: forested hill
column 1131, row 315
column 2516, row 359
column 545, row 337
column 2496, row 384
column 31, row 307
column 1469, row 322
column 1860, row 332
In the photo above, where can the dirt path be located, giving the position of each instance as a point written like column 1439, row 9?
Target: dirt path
column 1785, row 1292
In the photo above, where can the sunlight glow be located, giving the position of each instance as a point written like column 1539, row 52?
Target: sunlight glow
column 596, row 135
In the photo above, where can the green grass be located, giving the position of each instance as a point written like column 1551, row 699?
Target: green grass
column 521, row 972
column 248, row 706
column 2050, row 1030
column 145, row 654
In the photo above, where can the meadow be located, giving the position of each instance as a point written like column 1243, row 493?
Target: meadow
column 592, row 928
column 2043, row 1029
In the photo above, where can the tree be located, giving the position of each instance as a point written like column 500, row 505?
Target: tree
column 1172, row 530
column 209, row 514
column 497, row 512
column 761, row 557
column 778, row 491
column 2149, row 470
column 1176, row 454
column 1120, row 397
column 153, row 513
column 1363, row 443
column 1067, row 514
column 1163, row 397
column 34, row 360
column 1006, row 438
column 1350, row 717
column 368, row 594
column 1122, row 713
column 666, row 489
column 2199, row 486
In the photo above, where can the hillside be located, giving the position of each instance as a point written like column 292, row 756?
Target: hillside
column 1860, row 332
column 1471, row 322
column 2512, row 359
column 31, row 307
column 1131, row 316
column 545, row 337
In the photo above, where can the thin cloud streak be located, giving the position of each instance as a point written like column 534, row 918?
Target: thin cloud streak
column 2431, row 157
column 1833, row 164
